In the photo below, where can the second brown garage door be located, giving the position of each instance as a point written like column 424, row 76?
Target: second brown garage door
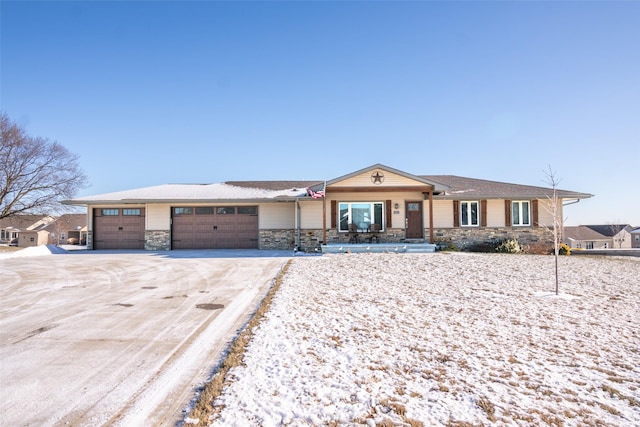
column 214, row 227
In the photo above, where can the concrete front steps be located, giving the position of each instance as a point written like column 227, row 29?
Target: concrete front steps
column 397, row 247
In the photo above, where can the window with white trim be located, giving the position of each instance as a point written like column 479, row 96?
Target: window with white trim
column 469, row 216
column 521, row 213
column 362, row 214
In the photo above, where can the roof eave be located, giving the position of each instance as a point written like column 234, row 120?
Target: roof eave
column 538, row 196
column 80, row 202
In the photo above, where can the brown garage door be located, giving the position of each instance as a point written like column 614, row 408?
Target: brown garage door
column 215, row 227
column 118, row 228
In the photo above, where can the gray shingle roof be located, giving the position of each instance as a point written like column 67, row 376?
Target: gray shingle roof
column 68, row 222
column 609, row 230
column 462, row 187
column 582, row 232
column 450, row 187
column 20, row 222
column 192, row 193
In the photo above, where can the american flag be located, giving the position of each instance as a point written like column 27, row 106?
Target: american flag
column 315, row 194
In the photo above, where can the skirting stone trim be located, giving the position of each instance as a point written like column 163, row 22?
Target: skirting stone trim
column 468, row 238
column 311, row 239
column 157, row 240
column 89, row 240
column 282, row 239
column 464, row 238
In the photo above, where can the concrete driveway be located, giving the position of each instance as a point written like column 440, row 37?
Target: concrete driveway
column 120, row 338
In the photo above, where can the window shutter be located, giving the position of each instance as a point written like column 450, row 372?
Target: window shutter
column 456, row 213
column 483, row 213
column 534, row 208
column 507, row 213
column 334, row 214
column 388, row 212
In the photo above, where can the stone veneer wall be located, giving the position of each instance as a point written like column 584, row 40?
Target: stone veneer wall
column 311, row 240
column 157, row 240
column 463, row 238
column 467, row 238
column 89, row 239
column 277, row 239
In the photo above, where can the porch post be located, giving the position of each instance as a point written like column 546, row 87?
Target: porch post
column 324, row 217
column 431, row 217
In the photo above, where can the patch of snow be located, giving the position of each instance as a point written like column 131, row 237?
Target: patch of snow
column 34, row 251
column 560, row 295
column 444, row 339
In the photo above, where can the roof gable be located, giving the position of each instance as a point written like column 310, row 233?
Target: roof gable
column 382, row 176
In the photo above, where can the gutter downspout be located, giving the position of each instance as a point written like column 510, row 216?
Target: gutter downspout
column 571, row 203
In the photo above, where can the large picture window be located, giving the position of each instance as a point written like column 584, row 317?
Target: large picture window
column 362, row 214
column 469, row 214
column 521, row 213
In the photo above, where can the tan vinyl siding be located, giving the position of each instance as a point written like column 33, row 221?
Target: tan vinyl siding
column 495, row 213
column 277, row 216
column 158, row 217
column 311, row 214
column 364, row 180
column 442, row 213
column 545, row 216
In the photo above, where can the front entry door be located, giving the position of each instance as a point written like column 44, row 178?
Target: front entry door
column 413, row 221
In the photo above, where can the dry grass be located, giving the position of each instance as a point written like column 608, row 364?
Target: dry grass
column 204, row 407
column 488, row 408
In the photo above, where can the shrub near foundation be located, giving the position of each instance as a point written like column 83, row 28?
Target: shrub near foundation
column 509, row 246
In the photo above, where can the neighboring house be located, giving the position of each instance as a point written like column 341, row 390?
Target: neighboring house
column 616, row 236
column 11, row 227
column 68, row 229
column 398, row 206
column 32, row 238
column 635, row 238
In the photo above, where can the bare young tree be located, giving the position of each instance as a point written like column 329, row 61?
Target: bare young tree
column 555, row 211
column 35, row 173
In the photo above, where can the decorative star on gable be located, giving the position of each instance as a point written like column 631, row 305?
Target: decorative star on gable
column 377, row 178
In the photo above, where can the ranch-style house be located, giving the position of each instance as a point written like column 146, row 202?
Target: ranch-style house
column 377, row 204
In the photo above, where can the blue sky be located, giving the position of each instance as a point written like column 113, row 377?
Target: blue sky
column 148, row 93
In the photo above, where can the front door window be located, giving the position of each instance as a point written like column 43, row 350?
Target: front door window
column 414, row 220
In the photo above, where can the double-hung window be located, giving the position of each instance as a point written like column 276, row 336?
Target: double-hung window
column 469, row 214
column 362, row 214
column 521, row 213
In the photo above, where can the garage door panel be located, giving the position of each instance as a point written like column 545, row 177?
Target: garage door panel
column 118, row 228
column 215, row 227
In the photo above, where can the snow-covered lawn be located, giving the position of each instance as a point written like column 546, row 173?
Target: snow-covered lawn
column 444, row 339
